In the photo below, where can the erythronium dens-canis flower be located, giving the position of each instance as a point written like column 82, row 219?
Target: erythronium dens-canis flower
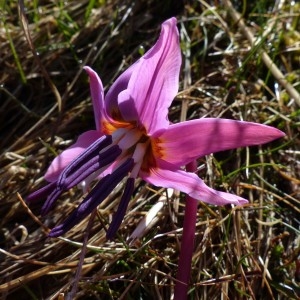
column 134, row 138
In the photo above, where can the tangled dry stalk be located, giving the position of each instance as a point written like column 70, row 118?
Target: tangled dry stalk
column 241, row 253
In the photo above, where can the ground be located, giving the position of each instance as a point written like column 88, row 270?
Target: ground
column 240, row 61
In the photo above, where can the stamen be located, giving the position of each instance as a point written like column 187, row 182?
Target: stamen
column 138, row 157
column 83, row 158
column 118, row 135
column 119, row 215
column 102, row 189
column 41, row 193
column 50, row 201
column 94, row 164
column 130, row 138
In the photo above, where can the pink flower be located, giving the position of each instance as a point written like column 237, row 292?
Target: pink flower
column 133, row 137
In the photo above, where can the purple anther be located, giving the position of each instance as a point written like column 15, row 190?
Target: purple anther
column 102, row 189
column 42, row 192
column 94, row 164
column 120, row 213
column 92, row 151
column 83, row 171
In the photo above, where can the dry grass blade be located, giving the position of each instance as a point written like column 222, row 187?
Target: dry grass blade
column 266, row 58
column 24, row 23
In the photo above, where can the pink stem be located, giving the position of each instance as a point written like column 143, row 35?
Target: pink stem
column 187, row 243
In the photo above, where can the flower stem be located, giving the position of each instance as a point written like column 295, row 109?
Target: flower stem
column 73, row 291
column 187, row 244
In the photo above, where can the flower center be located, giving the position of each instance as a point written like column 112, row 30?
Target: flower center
column 134, row 144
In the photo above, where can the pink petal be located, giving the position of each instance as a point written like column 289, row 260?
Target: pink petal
column 154, row 82
column 190, row 184
column 97, row 93
column 63, row 159
column 115, row 93
column 183, row 142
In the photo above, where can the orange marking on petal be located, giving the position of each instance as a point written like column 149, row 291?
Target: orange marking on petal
column 153, row 152
column 157, row 149
column 111, row 127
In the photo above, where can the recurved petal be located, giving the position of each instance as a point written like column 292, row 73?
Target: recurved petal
column 183, row 142
column 154, row 82
column 97, row 94
column 63, row 159
column 190, row 184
